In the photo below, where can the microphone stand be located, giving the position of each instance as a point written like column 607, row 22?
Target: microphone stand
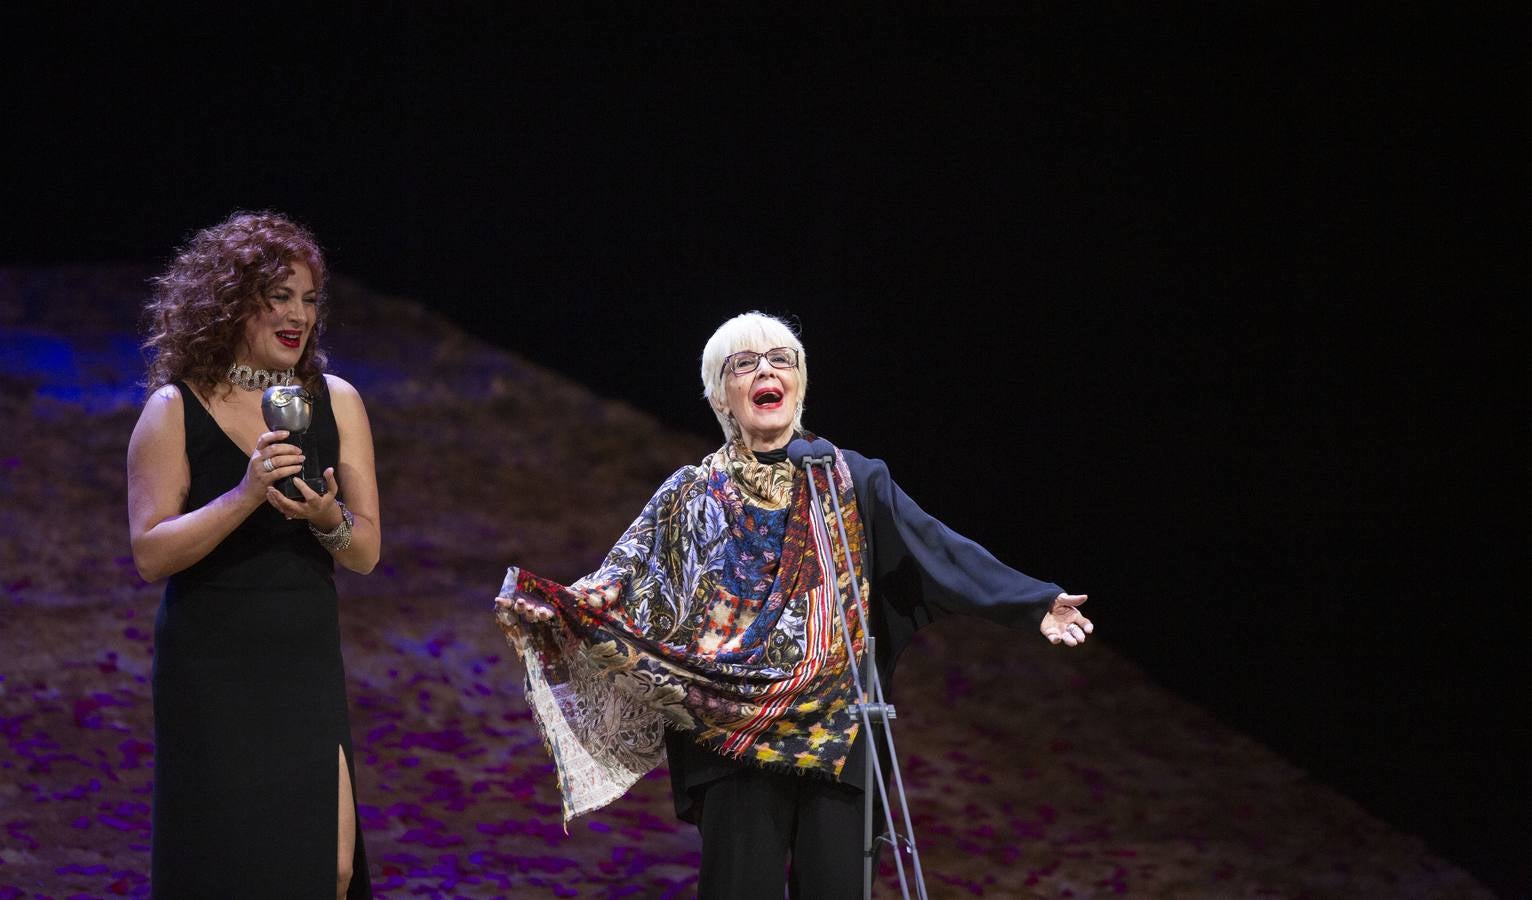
column 871, row 705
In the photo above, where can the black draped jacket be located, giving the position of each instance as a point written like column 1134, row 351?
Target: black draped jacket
column 921, row 571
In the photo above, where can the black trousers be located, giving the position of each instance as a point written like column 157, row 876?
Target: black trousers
column 765, row 831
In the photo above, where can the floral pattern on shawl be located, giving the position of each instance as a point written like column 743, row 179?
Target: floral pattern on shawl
column 668, row 633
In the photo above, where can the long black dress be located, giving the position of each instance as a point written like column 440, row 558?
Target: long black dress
column 250, row 696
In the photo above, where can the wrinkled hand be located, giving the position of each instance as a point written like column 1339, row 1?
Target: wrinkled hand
column 285, row 460
column 527, row 609
column 525, row 620
column 1064, row 622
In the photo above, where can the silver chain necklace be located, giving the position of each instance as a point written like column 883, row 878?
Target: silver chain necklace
column 257, row 379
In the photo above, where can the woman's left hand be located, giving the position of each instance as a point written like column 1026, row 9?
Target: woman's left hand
column 320, row 510
column 1064, row 622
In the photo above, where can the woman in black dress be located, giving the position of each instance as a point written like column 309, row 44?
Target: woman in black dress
column 253, row 763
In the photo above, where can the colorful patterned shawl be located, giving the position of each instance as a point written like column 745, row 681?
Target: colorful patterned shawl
column 714, row 615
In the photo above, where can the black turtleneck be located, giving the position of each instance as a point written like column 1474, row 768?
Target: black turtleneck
column 770, row 457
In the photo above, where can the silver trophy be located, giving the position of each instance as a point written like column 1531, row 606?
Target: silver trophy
column 288, row 407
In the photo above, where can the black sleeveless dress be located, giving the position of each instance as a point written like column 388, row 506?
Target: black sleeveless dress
column 250, row 696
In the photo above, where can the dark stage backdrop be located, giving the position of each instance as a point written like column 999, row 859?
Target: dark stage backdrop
column 1189, row 309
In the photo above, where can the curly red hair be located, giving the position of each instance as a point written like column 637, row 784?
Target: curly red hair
column 197, row 313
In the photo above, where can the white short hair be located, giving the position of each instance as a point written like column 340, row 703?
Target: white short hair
column 748, row 331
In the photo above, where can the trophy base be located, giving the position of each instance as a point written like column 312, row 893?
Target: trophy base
column 291, row 491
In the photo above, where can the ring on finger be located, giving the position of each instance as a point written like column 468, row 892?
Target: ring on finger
column 267, row 465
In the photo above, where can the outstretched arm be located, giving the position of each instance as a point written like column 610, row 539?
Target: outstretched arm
column 930, row 570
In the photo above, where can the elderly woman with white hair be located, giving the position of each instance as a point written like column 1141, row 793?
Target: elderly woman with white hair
column 708, row 634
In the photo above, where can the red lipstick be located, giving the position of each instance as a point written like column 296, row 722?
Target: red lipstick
column 767, row 397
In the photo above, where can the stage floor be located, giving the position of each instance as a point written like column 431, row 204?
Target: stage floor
column 1033, row 771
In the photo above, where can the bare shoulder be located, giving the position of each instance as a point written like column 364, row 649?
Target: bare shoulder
column 160, row 423
column 162, row 406
column 346, row 402
column 166, row 393
column 341, row 391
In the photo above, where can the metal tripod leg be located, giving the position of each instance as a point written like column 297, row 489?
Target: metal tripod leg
column 869, row 841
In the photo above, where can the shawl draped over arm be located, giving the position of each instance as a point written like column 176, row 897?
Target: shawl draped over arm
column 692, row 623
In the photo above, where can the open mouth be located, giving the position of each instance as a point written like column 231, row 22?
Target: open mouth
column 767, row 398
column 293, row 339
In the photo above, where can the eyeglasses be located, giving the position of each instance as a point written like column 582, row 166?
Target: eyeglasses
column 746, row 361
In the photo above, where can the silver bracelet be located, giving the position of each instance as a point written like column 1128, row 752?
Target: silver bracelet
column 339, row 539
